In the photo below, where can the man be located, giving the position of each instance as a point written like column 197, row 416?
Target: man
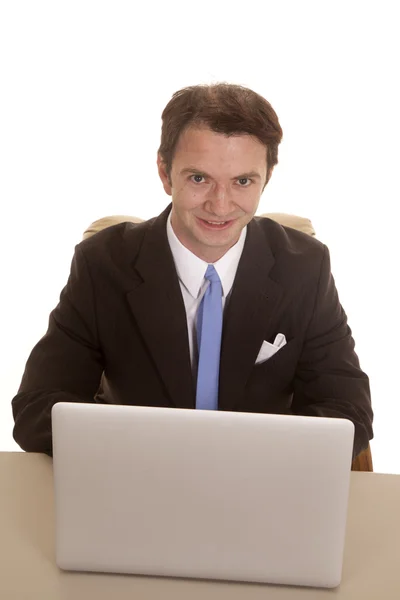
column 139, row 314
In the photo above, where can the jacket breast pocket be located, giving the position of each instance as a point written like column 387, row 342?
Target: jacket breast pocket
column 269, row 388
column 279, row 369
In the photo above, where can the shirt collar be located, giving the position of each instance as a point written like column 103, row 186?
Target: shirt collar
column 191, row 269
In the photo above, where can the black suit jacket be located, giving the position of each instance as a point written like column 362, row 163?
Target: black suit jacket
column 122, row 315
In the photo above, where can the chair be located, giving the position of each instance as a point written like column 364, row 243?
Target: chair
column 105, row 222
column 362, row 462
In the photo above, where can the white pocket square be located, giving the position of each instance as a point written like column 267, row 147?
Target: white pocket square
column 267, row 350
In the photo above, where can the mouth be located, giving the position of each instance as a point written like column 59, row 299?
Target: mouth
column 215, row 225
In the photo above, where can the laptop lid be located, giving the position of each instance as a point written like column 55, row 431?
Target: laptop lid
column 219, row 495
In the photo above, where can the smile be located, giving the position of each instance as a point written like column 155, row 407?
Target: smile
column 217, row 225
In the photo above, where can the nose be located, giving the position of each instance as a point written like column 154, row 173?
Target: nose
column 219, row 202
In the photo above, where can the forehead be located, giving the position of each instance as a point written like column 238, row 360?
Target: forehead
column 201, row 143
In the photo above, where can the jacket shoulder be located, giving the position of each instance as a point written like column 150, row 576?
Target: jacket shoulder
column 117, row 242
column 282, row 238
column 298, row 257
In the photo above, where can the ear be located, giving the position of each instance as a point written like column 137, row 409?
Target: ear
column 167, row 185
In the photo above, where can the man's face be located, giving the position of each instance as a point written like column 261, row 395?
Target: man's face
column 216, row 184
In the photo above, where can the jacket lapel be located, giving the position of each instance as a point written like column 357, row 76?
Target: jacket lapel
column 248, row 316
column 159, row 311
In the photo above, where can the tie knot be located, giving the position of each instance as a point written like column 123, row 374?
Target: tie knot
column 212, row 275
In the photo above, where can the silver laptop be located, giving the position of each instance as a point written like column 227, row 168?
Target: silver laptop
column 186, row 493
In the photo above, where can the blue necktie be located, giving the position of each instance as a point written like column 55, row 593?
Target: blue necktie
column 209, row 330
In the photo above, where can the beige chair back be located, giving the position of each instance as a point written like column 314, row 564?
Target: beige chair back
column 105, row 222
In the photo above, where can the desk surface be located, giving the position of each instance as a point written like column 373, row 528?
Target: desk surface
column 28, row 570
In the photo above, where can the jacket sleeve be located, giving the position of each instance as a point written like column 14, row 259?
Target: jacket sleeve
column 329, row 381
column 66, row 364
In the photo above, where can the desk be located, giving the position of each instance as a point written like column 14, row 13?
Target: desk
column 28, row 570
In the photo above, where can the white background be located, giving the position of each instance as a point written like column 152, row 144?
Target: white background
column 83, row 85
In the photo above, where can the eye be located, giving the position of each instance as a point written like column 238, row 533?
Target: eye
column 195, row 178
column 245, row 181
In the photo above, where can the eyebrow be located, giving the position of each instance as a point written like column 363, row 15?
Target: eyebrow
column 249, row 175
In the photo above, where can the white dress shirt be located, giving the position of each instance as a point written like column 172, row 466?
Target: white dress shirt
column 191, row 270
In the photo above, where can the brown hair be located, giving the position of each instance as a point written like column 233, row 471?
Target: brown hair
column 224, row 108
